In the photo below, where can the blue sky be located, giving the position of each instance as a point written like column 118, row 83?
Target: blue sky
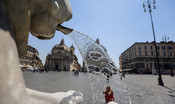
column 117, row 23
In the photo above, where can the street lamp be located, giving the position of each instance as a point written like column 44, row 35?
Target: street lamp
column 165, row 38
column 149, row 3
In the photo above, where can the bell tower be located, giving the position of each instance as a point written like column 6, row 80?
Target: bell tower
column 72, row 49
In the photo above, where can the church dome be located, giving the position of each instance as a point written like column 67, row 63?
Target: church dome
column 61, row 46
column 98, row 42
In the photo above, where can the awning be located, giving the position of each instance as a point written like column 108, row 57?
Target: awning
column 127, row 69
column 21, row 66
column 29, row 66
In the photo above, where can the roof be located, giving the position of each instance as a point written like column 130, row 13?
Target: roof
column 62, row 42
column 61, row 46
column 97, row 41
column 72, row 46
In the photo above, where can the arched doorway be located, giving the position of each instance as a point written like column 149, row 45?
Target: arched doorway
column 64, row 68
column 56, row 68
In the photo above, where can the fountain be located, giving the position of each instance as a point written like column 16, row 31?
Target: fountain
column 94, row 56
column 99, row 64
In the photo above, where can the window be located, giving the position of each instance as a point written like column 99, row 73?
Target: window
column 139, row 53
column 140, row 65
column 145, row 53
column 164, row 53
column 145, row 47
column 163, row 48
column 169, row 48
column 139, row 47
column 170, row 53
column 158, row 47
column 158, row 53
column 151, row 47
column 146, row 66
column 152, row 53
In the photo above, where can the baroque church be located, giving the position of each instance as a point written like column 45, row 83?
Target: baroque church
column 62, row 58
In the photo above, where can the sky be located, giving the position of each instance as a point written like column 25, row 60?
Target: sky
column 117, row 23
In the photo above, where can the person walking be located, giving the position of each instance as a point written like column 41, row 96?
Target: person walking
column 109, row 95
column 123, row 74
column 107, row 78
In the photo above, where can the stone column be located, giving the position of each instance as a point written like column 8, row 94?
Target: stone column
column 58, row 64
column 65, row 64
column 68, row 65
column 62, row 65
column 49, row 64
column 53, row 64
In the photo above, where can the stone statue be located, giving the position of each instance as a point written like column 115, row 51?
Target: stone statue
column 17, row 18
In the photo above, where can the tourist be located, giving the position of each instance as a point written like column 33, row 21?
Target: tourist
column 123, row 74
column 111, row 74
column 77, row 73
column 107, row 79
column 109, row 95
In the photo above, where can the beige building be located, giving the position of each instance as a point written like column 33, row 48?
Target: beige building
column 141, row 57
column 62, row 58
column 31, row 59
column 120, row 61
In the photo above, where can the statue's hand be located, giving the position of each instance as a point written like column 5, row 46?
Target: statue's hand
column 70, row 97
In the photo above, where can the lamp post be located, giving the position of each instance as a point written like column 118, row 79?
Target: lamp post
column 165, row 38
column 149, row 3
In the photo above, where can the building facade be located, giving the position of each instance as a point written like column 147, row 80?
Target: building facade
column 31, row 59
column 141, row 57
column 62, row 58
column 120, row 61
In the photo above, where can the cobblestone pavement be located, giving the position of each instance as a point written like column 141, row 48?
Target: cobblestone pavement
column 134, row 89
column 144, row 89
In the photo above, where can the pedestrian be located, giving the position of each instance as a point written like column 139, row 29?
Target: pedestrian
column 111, row 74
column 77, row 73
column 109, row 95
column 123, row 74
column 107, row 78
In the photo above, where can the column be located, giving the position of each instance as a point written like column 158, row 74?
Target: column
column 53, row 64
column 49, row 64
column 68, row 65
column 62, row 65
column 58, row 65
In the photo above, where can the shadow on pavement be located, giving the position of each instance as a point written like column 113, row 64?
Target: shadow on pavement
column 172, row 95
column 169, row 89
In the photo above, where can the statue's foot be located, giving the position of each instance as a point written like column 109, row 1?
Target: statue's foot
column 73, row 97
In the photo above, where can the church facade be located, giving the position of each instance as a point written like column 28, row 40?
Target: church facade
column 62, row 58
